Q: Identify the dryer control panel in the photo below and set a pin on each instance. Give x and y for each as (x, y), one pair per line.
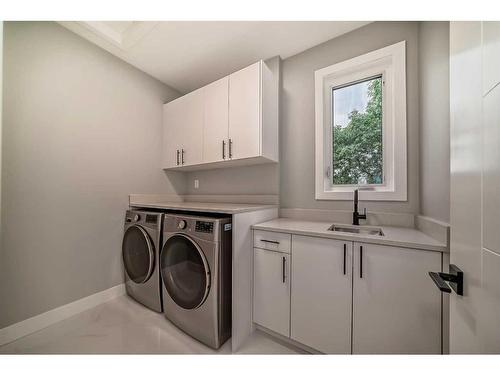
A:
(204, 226)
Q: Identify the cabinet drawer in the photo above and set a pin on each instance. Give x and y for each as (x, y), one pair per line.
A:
(272, 241)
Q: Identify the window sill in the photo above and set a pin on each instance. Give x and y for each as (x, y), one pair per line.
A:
(364, 195)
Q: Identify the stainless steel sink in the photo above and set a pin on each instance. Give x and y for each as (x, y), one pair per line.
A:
(358, 230)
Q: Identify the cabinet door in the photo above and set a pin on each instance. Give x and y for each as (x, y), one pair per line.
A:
(271, 292)
(396, 306)
(321, 296)
(215, 127)
(172, 131)
(245, 112)
(191, 132)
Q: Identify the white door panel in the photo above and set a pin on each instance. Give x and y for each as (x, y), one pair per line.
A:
(191, 132)
(245, 112)
(321, 296)
(396, 306)
(215, 128)
(271, 294)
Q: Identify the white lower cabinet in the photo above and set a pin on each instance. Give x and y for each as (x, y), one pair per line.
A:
(321, 294)
(347, 297)
(271, 292)
(396, 306)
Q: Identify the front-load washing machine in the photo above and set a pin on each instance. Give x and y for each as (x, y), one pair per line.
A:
(140, 251)
(195, 265)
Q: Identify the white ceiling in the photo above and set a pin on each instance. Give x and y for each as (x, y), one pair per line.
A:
(189, 54)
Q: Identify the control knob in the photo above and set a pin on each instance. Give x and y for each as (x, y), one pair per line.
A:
(182, 224)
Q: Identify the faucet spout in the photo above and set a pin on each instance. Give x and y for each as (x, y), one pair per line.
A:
(355, 214)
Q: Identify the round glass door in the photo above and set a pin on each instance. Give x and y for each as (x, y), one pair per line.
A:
(138, 254)
(185, 272)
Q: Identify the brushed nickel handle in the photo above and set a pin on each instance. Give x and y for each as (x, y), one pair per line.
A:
(230, 148)
(177, 157)
(182, 156)
(224, 149)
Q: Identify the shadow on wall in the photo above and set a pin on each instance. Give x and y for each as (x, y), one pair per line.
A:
(177, 182)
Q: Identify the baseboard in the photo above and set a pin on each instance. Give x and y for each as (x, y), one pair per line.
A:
(38, 322)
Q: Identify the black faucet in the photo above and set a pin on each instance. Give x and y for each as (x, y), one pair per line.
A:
(355, 214)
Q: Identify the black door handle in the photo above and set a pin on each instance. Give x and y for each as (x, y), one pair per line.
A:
(455, 278)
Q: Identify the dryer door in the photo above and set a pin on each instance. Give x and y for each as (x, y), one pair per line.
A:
(185, 272)
(138, 254)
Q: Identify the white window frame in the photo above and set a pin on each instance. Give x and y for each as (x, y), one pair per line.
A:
(390, 63)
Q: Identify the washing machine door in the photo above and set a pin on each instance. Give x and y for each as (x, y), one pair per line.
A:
(185, 272)
(138, 254)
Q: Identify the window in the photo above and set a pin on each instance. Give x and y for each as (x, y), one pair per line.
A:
(361, 127)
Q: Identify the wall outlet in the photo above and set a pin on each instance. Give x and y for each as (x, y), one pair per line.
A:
(196, 184)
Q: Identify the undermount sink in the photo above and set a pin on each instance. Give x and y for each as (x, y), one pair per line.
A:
(358, 230)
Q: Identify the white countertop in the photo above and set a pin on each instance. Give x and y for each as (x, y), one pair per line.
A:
(224, 208)
(395, 236)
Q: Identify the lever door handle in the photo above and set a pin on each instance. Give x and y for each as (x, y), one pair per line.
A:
(455, 278)
(443, 287)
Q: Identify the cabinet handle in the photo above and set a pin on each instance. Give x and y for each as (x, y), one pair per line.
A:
(269, 241)
(345, 250)
(224, 149)
(177, 157)
(283, 274)
(230, 148)
(361, 262)
(182, 156)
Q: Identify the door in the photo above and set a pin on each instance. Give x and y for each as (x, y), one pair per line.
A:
(474, 185)
(185, 272)
(172, 132)
(191, 128)
(396, 306)
(215, 127)
(138, 254)
(271, 293)
(321, 296)
(245, 112)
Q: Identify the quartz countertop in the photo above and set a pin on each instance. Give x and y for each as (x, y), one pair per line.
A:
(394, 236)
(225, 208)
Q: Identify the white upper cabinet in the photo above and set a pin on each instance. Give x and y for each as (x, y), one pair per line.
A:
(182, 131)
(216, 125)
(233, 121)
(245, 112)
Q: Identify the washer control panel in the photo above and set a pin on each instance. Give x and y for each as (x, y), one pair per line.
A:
(204, 226)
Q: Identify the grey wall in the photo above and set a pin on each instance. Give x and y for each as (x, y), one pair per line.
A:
(255, 179)
(297, 113)
(80, 132)
(434, 63)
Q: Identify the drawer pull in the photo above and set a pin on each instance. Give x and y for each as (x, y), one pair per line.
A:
(269, 241)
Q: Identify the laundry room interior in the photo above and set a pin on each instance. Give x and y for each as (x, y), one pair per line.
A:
(261, 187)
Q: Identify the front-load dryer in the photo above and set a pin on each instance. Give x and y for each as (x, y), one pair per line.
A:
(195, 265)
(140, 251)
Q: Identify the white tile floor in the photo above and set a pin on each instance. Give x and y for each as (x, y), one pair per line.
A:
(122, 326)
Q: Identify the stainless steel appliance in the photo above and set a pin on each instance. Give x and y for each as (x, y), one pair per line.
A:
(140, 251)
(195, 265)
